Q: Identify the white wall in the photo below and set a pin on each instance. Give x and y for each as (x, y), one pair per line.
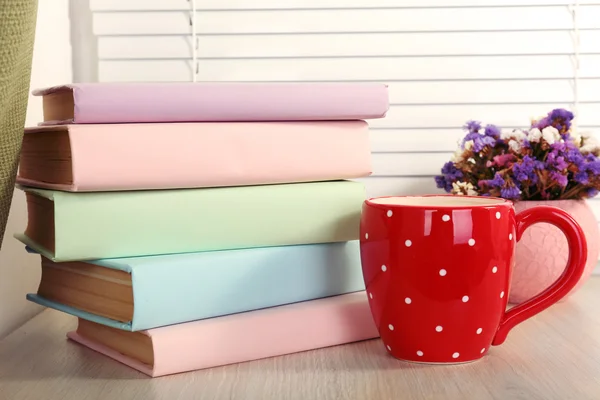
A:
(19, 271)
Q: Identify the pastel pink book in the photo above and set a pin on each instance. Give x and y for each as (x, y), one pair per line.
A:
(102, 103)
(234, 338)
(112, 157)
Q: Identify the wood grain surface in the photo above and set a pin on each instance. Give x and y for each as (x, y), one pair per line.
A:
(555, 355)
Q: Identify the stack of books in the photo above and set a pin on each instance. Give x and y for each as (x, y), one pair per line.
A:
(192, 225)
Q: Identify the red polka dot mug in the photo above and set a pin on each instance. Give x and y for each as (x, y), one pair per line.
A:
(437, 272)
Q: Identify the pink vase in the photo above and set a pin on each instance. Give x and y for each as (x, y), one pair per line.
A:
(541, 254)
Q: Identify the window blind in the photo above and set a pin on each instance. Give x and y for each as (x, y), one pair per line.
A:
(445, 61)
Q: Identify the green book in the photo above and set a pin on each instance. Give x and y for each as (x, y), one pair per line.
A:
(67, 226)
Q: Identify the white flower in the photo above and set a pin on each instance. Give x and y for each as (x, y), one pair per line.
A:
(468, 145)
(516, 134)
(589, 143)
(534, 135)
(463, 188)
(550, 134)
(514, 145)
(457, 156)
(576, 138)
(471, 160)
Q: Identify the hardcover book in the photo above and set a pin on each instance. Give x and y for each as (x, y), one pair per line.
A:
(190, 155)
(65, 226)
(234, 338)
(148, 292)
(104, 103)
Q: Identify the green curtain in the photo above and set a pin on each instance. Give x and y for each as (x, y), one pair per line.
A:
(17, 32)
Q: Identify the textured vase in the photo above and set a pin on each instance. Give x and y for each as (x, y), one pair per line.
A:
(541, 254)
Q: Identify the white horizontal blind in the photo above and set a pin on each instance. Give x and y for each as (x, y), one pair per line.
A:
(445, 61)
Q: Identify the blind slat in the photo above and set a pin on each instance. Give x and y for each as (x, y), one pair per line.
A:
(399, 140)
(346, 20)
(505, 115)
(114, 5)
(383, 69)
(369, 44)
(518, 91)
(409, 164)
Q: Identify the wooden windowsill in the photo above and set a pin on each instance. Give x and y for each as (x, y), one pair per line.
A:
(555, 355)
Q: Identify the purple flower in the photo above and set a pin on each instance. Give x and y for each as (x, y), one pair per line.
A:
(443, 183)
(525, 170)
(479, 141)
(492, 131)
(487, 141)
(585, 169)
(559, 178)
(554, 161)
(561, 119)
(510, 193)
(558, 118)
(470, 136)
(593, 167)
(541, 124)
(582, 177)
(497, 182)
(472, 126)
(574, 157)
(449, 174)
(450, 170)
(591, 192)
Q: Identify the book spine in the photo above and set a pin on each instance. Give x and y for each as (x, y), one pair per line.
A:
(213, 284)
(254, 335)
(138, 223)
(98, 104)
(194, 155)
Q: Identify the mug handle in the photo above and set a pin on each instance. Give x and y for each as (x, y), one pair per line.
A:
(569, 278)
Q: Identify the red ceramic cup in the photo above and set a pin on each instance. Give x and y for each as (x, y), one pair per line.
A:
(437, 272)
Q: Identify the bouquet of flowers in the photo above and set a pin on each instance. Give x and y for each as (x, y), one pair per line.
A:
(547, 161)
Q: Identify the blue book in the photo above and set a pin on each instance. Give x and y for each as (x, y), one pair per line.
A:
(140, 293)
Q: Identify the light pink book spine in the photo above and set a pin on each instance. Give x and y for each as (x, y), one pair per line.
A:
(101, 103)
(193, 155)
(253, 335)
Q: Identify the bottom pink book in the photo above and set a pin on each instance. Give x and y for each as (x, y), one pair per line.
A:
(234, 338)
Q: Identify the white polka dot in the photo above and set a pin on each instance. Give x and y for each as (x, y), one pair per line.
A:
(497, 214)
(371, 295)
(482, 350)
(455, 355)
(419, 353)
(389, 348)
(471, 242)
(391, 327)
(439, 328)
(494, 270)
(389, 213)
(383, 268)
(501, 294)
(510, 236)
(367, 235)
(479, 331)
(408, 243)
(442, 272)
(445, 218)
(408, 300)
(465, 299)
